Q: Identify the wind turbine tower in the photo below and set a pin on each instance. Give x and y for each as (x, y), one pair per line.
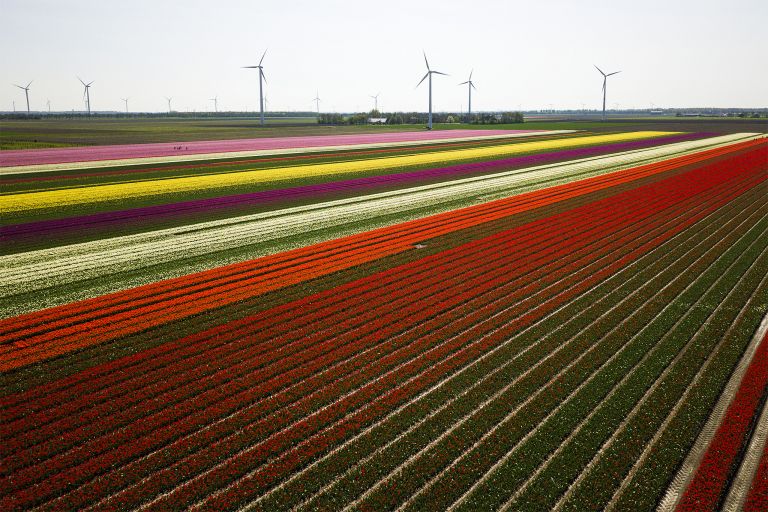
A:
(26, 92)
(317, 101)
(470, 86)
(215, 101)
(262, 79)
(429, 74)
(605, 83)
(87, 94)
(126, 104)
(376, 101)
(169, 103)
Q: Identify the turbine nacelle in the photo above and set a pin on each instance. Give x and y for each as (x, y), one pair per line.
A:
(25, 88)
(430, 71)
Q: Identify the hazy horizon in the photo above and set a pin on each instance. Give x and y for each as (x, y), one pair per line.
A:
(524, 56)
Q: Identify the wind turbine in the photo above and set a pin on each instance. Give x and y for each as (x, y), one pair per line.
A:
(261, 86)
(470, 86)
(49, 105)
(87, 94)
(376, 101)
(605, 82)
(429, 74)
(215, 101)
(169, 103)
(317, 101)
(26, 92)
(126, 104)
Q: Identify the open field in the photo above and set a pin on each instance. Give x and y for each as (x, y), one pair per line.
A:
(569, 318)
(28, 134)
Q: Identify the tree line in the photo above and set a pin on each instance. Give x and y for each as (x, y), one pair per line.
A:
(420, 118)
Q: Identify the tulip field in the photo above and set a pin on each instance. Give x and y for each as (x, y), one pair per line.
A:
(449, 320)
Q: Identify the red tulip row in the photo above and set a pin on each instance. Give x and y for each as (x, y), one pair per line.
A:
(757, 497)
(720, 461)
(56, 331)
(592, 272)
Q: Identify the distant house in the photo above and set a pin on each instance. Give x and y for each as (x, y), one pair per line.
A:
(377, 120)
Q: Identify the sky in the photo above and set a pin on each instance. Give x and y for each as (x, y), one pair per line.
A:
(525, 54)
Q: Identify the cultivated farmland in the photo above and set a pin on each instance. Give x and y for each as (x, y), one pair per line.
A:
(449, 320)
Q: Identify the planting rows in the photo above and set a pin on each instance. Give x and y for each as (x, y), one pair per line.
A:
(52, 332)
(249, 146)
(167, 253)
(47, 199)
(109, 222)
(440, 382)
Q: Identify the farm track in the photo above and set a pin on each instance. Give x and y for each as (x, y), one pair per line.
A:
(708, 487)
(492, 326)
(757, 497)
(231, 284)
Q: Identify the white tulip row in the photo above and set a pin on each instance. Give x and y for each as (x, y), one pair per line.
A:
(276, 231)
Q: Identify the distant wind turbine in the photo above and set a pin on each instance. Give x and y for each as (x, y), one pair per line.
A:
(470, 86)
(317, 101)
(126, 104)
(429, 74)
(376, 101)
(215, 101)
(26, 92)
(49, 105)
(261, 86)
(87, 94)
(169, 103)
(605, 83)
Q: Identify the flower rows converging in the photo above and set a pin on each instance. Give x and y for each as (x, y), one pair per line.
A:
(26, 201)
(510, 325)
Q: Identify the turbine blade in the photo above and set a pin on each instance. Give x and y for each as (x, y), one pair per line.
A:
(20, 87)
(439, 73)
(262, 57)
(462, 83)
(425, 59)
(470, 75)
(615, 72)
(30, 83)
(425, 77)
(89, 83)
(600, 70)
(81, 80)
(473, 85)
(261, 71)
